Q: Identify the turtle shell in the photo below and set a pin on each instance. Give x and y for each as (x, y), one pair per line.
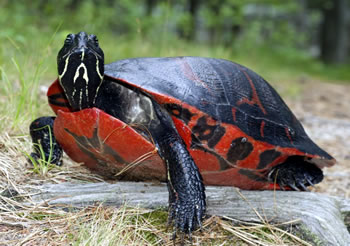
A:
(233, 122)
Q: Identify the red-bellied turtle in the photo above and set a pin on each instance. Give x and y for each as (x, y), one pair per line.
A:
(209, 120)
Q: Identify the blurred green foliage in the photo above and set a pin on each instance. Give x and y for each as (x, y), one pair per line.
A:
(264, 34)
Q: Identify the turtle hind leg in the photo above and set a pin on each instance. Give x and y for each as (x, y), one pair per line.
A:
(45, 145)
(296, 173)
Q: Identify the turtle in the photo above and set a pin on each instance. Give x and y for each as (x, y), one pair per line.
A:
(189, 121)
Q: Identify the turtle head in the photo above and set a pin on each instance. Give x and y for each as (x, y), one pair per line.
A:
(80, 69)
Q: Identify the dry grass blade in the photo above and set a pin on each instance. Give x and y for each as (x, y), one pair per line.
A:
(141, 158)
(107, 226)
(137, 162)
(263, 234)
(272, 229)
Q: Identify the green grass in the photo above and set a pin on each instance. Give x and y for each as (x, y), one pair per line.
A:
(22, 74)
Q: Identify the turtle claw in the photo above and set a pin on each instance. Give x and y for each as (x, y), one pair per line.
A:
(182, 238)
(173, 237)
(303, 187)
(309, 182)
(199, 222)
(293, 187)
(281, 185)
(190, 237)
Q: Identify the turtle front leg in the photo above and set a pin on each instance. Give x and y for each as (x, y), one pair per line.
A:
(186, 190)
(45, 145)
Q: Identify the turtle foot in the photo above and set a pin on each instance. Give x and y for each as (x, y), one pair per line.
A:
(186, 214)
(296, 173)
(37, 158)
(45, 146)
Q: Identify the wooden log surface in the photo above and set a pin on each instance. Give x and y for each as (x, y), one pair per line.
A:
(325, 217)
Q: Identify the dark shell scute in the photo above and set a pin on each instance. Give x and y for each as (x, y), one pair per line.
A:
(239, 150)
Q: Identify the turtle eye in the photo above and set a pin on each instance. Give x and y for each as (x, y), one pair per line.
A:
(94, 39)
(69, 39)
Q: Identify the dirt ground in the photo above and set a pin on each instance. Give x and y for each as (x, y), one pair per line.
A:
(324, 110)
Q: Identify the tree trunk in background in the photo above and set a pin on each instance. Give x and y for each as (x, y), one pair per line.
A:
(335, 32)
(214, 30)
(188, 30)
(193, 7)
(150, 6)
(74, 4)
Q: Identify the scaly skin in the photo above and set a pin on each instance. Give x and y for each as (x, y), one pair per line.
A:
(41, 131)
(186, 189)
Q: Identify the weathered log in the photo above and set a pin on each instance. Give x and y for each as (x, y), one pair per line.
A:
(325, 217)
